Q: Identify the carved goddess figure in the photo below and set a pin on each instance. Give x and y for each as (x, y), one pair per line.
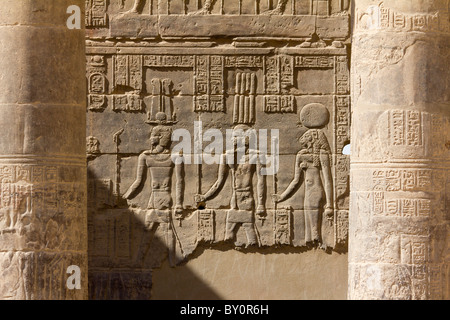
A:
(242, 198)
(158, 160)
(312, 166)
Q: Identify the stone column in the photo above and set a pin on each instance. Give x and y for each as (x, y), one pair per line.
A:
(43, 224)
(400, 182)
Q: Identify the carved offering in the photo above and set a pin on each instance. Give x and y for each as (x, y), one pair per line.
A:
(214, 124)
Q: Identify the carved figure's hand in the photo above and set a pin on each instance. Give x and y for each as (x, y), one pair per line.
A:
(199, 198)
(276, 198)
(261, 212)
(178, 213)
(329, 214)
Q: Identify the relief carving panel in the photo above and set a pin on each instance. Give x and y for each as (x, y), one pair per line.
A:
(229, 134)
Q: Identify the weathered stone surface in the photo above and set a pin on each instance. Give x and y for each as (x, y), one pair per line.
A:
(158, 70)
(234, 275)
(43, 221)
(400, 134)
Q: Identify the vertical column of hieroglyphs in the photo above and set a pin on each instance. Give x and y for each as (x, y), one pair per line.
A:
(400, 151)
(43, 225)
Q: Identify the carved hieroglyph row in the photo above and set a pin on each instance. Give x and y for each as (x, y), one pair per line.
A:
(381, 16)
(209, 77)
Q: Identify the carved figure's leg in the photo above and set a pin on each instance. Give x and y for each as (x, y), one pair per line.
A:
(137, 6)
(170, 243)
(312, 222)
(249, 228)
(229, 232)
(146, 240)
(150, 227)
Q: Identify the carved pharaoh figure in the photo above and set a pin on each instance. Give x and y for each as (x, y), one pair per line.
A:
(313, 164)
(242, 201)
(159, 161)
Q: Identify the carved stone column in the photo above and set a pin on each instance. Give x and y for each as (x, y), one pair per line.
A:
(43, 224)
(400, 182)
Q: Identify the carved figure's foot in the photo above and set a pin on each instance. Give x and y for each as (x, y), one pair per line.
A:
(228, 239)
(274, 12)
(313, 243)
(201, 12)
(305, 44)
(133, 11)
(252, 244)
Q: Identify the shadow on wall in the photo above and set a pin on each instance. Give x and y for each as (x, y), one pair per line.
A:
(269, 273)
(123, 250)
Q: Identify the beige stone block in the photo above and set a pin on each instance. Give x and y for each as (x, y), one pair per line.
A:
(267, 276)
(244, 26)
(44, 130)
(36, 80)
(37, 12)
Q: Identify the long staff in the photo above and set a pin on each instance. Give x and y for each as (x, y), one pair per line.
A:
(275, 185)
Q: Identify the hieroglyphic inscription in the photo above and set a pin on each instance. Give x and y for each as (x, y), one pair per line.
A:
(415, 253)
(31, 198)
(97, 88)
(314, 62)
(243, 61)
(384, 17)
(209, 84)
(205, 220)
(282, 226)
(342, 75)
(341, 226)
(279, 78)
(389, 185)
(167, 61)
(128, 72)
(96, 16)
(342, 105)
(405, 128)
(402, 179)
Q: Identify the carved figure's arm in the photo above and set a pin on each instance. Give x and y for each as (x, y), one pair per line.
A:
(141, 170)
(261, 188)
(222, 176)
(327, 179)
(179, 185)
(295, 181)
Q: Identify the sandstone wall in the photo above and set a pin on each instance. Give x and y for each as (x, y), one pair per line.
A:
(157, 67)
